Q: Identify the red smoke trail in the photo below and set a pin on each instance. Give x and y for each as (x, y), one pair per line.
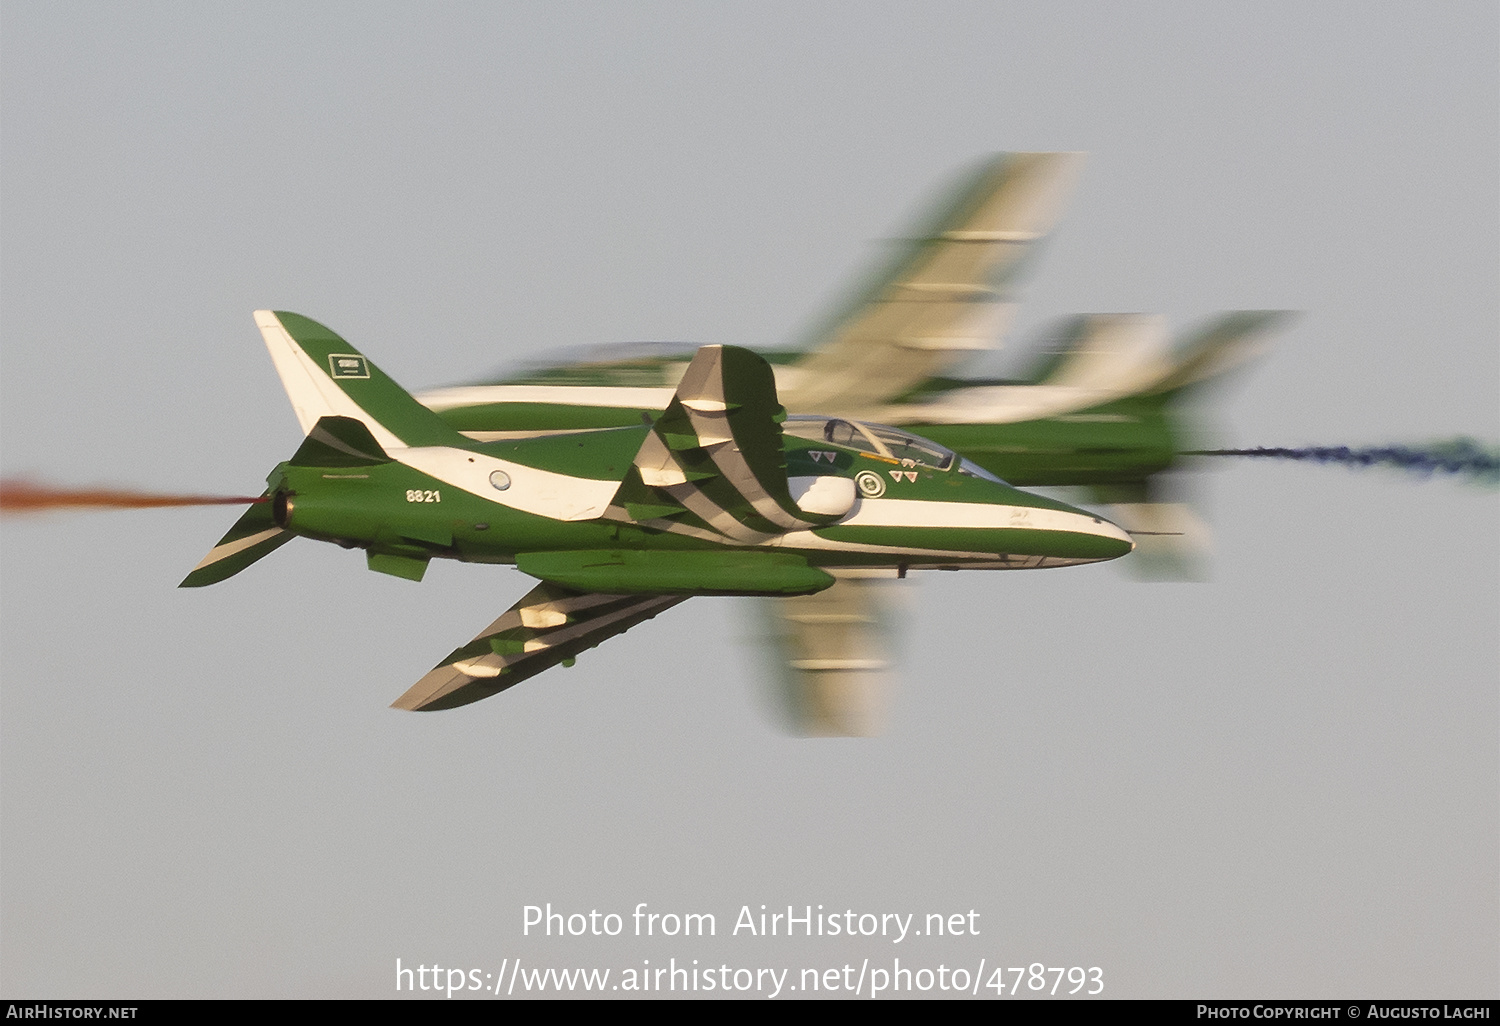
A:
(18, 495)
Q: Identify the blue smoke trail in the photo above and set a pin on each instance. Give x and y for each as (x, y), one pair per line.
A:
(1465, 457)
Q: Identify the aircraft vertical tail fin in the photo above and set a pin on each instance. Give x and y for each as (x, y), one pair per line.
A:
(350, 413)
(324, 376)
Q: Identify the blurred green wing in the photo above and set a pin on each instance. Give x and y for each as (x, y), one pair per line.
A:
(836, 656)
(949, 292)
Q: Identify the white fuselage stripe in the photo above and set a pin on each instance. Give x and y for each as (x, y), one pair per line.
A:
(560, 395)
(980, 515)
(542, 492)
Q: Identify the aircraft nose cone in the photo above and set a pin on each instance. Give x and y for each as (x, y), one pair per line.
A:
(1115, 533)
(1081, 534)
(1103, 539)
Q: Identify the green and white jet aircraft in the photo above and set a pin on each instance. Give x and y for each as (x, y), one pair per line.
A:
(719, 493)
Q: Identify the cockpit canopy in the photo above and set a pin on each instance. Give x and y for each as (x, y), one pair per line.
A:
(882, 440)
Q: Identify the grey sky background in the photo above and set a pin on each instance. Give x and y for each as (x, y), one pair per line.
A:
(1285, 782)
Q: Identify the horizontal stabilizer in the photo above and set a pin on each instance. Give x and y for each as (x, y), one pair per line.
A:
(253, 535)
(1221, 345)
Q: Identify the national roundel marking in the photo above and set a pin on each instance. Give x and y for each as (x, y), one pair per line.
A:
(871, 485)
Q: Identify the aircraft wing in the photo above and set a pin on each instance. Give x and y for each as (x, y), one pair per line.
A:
(550, 625)
(949, 292)
(835, 656)
(713, 464)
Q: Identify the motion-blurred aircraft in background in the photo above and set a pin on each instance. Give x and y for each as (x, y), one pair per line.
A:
(1106, 407)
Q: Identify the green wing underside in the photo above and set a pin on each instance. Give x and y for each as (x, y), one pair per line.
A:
(549, 625)
(253, 535)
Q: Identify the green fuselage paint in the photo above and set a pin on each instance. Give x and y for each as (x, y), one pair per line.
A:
(928, 516)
